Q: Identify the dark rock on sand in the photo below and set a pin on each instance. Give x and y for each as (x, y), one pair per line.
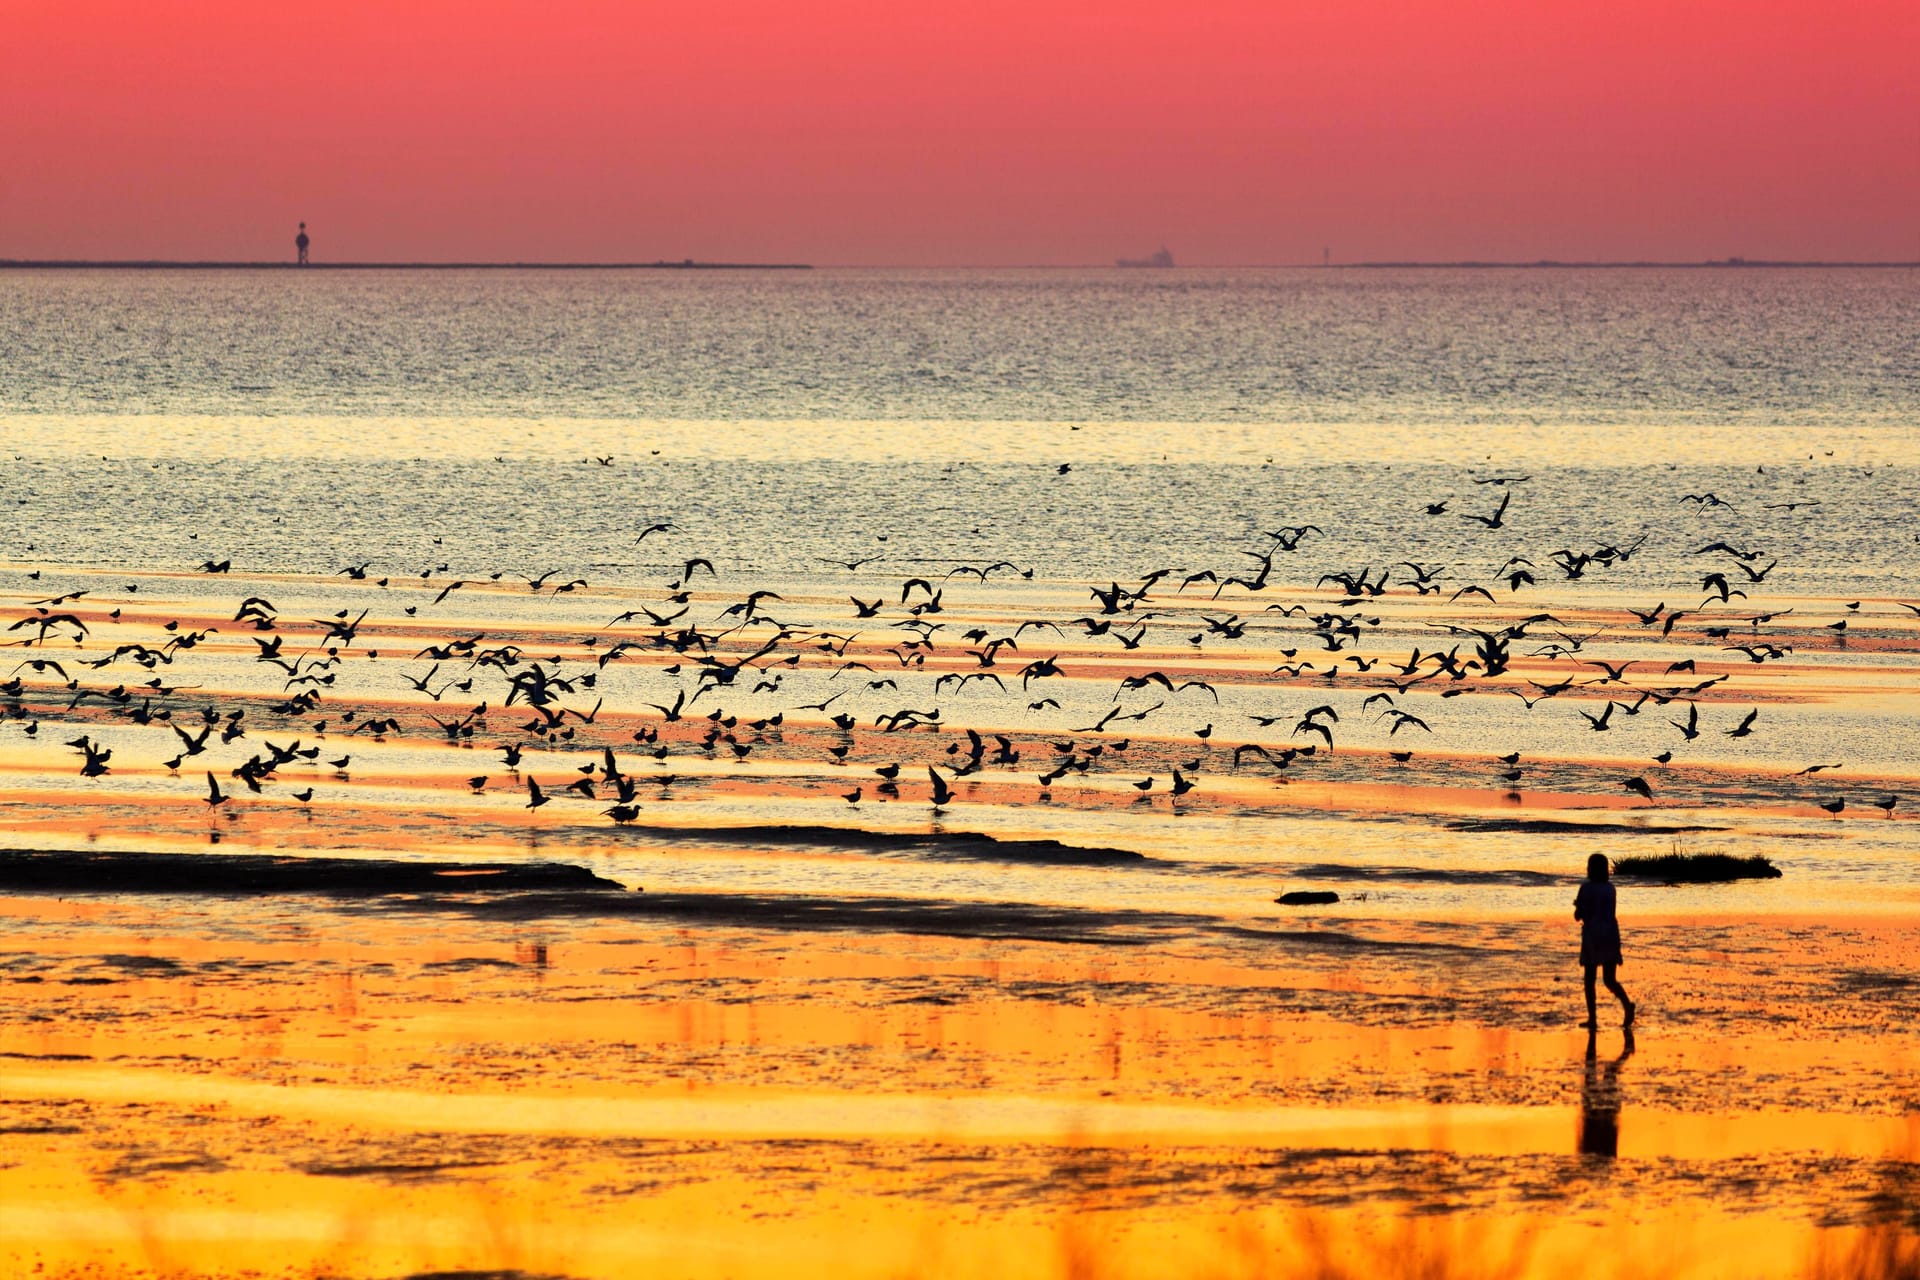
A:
(1696, 868)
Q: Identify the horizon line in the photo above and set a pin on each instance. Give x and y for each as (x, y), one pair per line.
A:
(689, 264)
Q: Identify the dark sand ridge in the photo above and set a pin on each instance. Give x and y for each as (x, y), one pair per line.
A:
(45, 871)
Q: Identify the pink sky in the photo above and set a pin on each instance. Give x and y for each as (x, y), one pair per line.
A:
(988, 132)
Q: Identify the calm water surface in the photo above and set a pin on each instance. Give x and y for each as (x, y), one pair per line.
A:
(1762, 347)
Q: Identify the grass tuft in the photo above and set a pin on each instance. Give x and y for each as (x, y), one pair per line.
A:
(1696, 868)
(1884, 1252)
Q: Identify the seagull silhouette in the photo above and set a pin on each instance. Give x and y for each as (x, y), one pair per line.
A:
(1498, 519)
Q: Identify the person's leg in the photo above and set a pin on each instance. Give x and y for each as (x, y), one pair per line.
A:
(1620, 993)
(1593, 1017)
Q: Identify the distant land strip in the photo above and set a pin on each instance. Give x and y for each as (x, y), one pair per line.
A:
(1550, 264)
(162, 264)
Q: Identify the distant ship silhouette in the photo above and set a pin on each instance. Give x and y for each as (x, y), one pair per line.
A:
(1160, 259)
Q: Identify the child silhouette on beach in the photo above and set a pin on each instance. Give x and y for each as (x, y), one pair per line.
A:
(1599, 936)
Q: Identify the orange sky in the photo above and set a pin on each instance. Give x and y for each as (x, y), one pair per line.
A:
(994, 131)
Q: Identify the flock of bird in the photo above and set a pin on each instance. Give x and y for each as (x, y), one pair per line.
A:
(718, 646)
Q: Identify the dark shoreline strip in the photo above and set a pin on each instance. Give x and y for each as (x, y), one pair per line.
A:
(66, 872)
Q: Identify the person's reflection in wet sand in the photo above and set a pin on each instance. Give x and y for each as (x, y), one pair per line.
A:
(1600, 1099)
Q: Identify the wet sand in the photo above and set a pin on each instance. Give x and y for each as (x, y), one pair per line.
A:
(323, 1086)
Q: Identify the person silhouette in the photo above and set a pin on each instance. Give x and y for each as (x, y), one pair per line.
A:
(1600, 1099)
(1593, 907)
(301, 242)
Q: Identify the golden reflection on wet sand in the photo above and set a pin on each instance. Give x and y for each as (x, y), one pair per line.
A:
(318, 1091)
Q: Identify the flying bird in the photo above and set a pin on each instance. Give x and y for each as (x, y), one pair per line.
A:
(1498, 519)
